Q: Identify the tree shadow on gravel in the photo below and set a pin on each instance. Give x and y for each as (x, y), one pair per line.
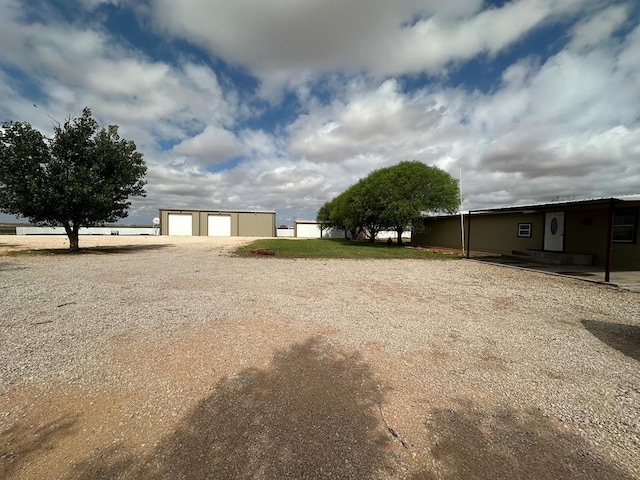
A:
(504, 443)
(97, 250)
(312, 414)
(24, 443)
(624, 338)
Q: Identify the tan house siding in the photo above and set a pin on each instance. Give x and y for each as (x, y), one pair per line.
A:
(489, 233)
(586, 231)
(499, 233)
(627, 255)
(440, 232)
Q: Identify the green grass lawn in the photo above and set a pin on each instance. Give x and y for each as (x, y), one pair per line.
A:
(316, 248)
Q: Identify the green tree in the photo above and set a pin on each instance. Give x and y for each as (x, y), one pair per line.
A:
(391, 198)
(83, 176)
(324, 216)
(366, 205)
(409, 188)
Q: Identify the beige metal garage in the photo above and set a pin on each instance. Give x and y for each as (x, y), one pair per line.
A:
(217, 223)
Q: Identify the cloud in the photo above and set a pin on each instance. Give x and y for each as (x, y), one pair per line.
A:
(72, 66)
(599, 27)
(289, 43)
(214, 143)
(385, 121)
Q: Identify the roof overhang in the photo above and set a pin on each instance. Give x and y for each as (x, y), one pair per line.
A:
(544, 207)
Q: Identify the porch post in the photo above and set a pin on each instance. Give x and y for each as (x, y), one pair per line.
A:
(612, 216)
(469, 234)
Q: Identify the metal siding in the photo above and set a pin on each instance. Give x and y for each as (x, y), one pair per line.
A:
(234, 224)
(203, 222)
(164, 222)
(256, 224)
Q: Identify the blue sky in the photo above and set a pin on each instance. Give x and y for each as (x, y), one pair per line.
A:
(281, 105)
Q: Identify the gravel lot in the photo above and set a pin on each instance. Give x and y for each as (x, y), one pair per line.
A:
(160, 357)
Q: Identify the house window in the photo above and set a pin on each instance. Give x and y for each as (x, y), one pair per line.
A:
(625, 225)
(525, 229)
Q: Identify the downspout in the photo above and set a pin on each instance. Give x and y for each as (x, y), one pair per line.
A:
(612, 216)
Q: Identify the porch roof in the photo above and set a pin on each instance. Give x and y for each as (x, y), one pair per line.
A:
(535, 207)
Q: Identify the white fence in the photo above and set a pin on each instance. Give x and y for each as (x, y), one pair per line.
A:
(88, 231)
(309, 229)
(284, 232)
(392, 234)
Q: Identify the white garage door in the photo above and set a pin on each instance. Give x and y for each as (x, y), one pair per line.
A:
(180, 224)
(219, 226)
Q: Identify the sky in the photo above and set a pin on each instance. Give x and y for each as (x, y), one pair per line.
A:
(281, 105)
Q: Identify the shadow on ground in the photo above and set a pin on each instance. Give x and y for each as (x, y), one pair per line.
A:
(312, 414)
(24, 443)
(624, 338)
(472, 443)
(98, 250)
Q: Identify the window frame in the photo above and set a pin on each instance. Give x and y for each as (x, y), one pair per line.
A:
(525, 229)
(633, 211)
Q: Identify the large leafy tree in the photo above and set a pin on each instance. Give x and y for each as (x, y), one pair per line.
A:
(82, 176)
(410, 188)
(392, 198)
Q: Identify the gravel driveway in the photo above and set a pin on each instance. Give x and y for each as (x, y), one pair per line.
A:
(170, 358)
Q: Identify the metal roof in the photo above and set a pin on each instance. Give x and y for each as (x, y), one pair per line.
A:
(212, 210)
(563, 203)
(542, 205)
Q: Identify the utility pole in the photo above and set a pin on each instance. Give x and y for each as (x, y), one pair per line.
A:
(461, 210)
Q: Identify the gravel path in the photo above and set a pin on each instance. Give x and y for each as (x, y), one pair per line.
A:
(160, 357)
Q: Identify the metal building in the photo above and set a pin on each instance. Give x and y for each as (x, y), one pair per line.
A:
(217, 223)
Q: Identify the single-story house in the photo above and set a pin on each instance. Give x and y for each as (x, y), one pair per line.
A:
(217, 223)
(601, 232)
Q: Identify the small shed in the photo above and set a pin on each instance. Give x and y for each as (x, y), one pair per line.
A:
(217, 223)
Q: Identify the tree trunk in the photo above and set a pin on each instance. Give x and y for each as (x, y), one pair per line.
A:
(73, 241)
(400, 236)
(72, 234)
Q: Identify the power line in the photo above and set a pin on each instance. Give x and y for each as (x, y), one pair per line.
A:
(45, 113)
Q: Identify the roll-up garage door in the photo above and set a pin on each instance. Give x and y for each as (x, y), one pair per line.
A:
(180, 224)
(219, 225)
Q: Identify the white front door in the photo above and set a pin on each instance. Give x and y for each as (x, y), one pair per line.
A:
(219, 226)
(554, 231)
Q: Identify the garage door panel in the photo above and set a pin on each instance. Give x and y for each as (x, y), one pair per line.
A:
(180, 224)
(219, 225)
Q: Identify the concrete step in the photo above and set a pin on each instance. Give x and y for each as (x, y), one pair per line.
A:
(552, 258)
